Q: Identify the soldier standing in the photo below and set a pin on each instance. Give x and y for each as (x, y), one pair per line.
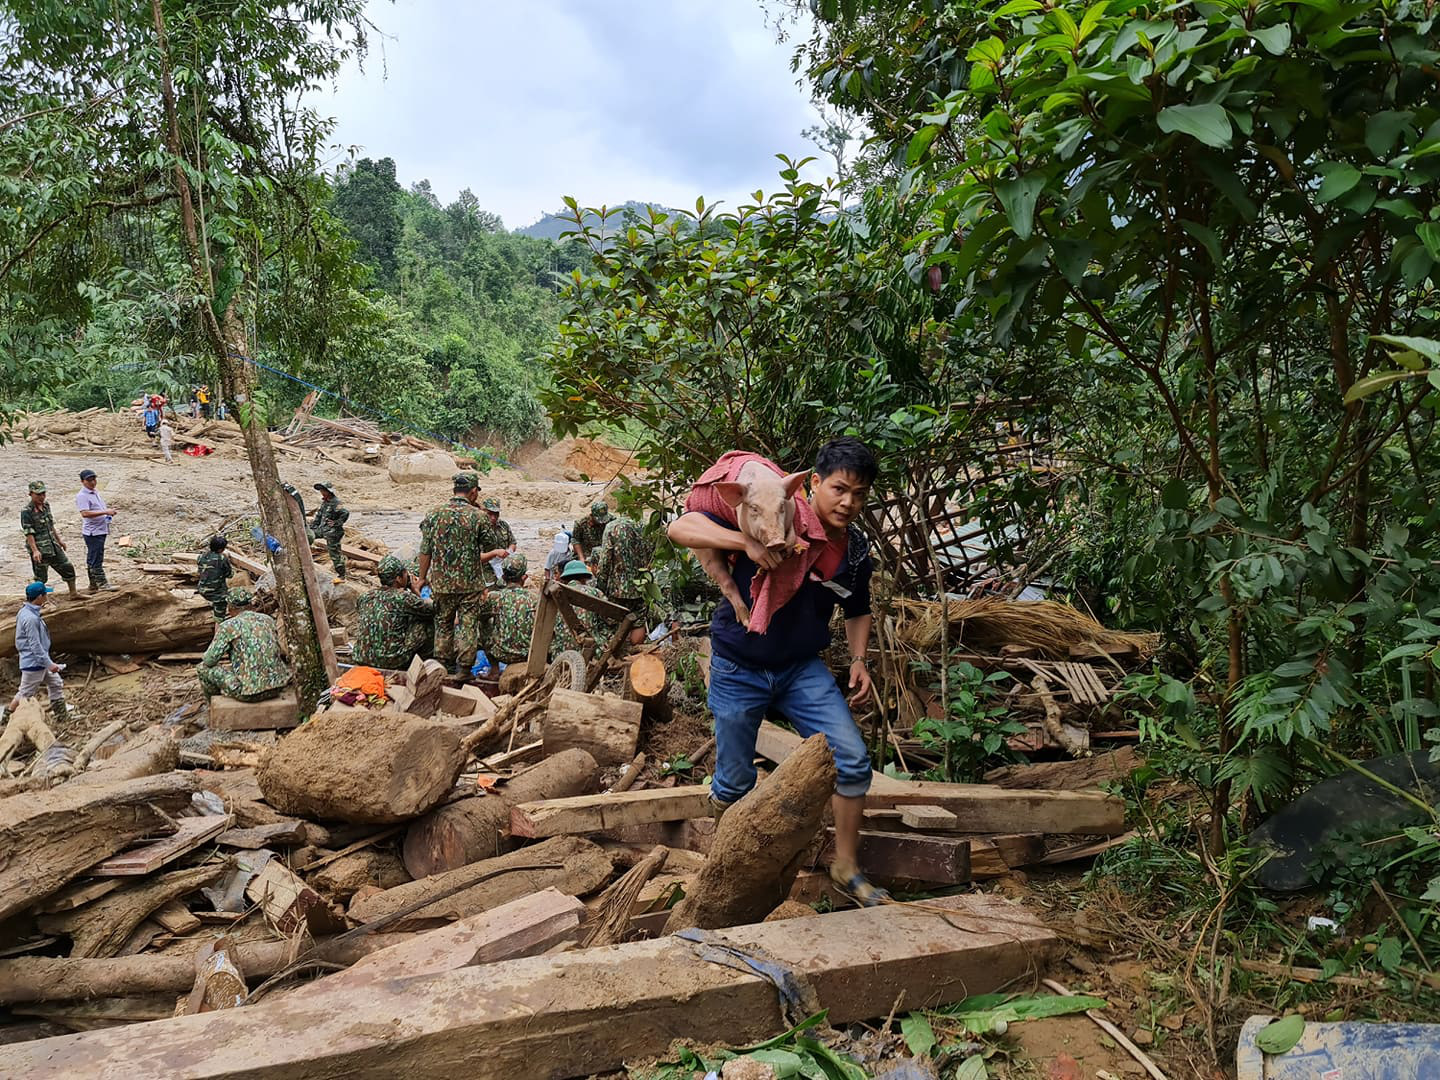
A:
(251, 643)
(46, 548)
(215, 571)
(452, 563)
(585, 536)
(329, 525)
(507, 615)
(498, 535)
(393, 622)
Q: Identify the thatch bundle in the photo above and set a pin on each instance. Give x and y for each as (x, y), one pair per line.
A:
(985, 624)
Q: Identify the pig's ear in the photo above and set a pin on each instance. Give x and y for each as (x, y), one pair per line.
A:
(730, 491)
(793, 483)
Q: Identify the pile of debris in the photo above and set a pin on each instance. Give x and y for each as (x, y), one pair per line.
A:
(447, 837)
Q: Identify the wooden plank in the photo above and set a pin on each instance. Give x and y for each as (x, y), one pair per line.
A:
(927, 818)
(193, 832)
(1076, 775)
(162, 568)
(288, 903)
(541, 635)
(281, 711)
(578, 1013)
(77, 895)
(244, 562)
(180, 658)
(524, 927)
(312, 593)
(936, 860)
(608, 608)
(594, 813)
(520, 755)
(175, 918)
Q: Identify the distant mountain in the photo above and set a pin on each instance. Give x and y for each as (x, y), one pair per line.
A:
(552, 226)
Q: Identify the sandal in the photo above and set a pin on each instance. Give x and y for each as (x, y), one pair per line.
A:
(858, 888)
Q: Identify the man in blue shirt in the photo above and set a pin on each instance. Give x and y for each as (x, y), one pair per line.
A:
(781, 668)
(32, 643)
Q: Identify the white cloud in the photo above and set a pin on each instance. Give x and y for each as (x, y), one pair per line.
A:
(525, 103)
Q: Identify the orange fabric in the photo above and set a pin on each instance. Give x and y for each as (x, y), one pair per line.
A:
(368, 680)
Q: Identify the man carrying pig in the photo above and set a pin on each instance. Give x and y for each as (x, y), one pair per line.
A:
(815, 546)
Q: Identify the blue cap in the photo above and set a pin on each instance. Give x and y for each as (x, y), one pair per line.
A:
(36, 588)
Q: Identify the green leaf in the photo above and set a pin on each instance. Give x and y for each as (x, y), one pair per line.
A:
(1373, 384)
(785, 1063)
(1018, 197)
(920, 142)
(1340, 177)
(918, 1034)
(1208, 123)
(1018, 7)
(1426, 347)
(973, 1068)
(1175, 495)
(1275, 39)
(1278, 1036)
(1429, 235)
(1382, 129)
(1206, 236)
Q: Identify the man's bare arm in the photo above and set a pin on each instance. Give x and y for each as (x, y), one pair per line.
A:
(696, 531)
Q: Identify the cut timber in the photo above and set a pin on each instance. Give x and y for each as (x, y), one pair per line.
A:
(460, 700)
(996, 856)
(647, 682)
(73, 896)
(594, 813)
(523, 927)
(425, 681)
(927, 817)
(983, 809)
(34, 978)
(572, 865)
(935, 860)
(49, 837)
(191, 833)
(132, 619)
(608, 728)
(288, 903)
(362, 767)
(468, 830)
(102, 928)
(1075, 775)
(175, 918)
(281, 711)
(759, 844)
(575, 1014)
(290, 833)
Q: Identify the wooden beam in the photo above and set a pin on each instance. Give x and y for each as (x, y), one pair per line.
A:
(927, 818)
(317, 602)
(595, 813)
(578, 1013)
(608, 608)
(542, 635)
(936, 860)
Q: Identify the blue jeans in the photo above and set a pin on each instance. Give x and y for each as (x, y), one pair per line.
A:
(807, 694)
(94, 551)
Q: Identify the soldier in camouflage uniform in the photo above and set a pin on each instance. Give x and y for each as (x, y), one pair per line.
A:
(251, 643)
(329, 525)
(507, 615)
(452, 563)
(498, 536)
(394, 623)
(215, 572)
(624, 553)
(585, 536)
(577, 575)
(46, 548)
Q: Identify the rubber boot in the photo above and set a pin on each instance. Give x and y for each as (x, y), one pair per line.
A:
(94, 581)
(718, 808)
(71, 586)
(59, 710)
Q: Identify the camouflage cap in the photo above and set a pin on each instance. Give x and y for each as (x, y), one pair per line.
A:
(37, 487)
(466, 481)
(241, 596)
(574, 568)
(492, 503)
(515, 566)
(600, 510)
(390, 569)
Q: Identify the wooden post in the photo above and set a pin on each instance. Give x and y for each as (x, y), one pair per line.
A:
(541, 636)
(317, 606)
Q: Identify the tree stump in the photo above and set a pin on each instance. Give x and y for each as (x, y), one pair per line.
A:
(647, 682)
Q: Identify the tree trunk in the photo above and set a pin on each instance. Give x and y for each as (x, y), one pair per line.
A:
(228, 343)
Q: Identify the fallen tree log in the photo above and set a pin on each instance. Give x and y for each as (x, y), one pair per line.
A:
(575, 1014)
(759, 844)
(48, 838)
(101, 928)
(1076, 775)
(35, 978)
(132, 619)
(572, 865)
(469, 830)
(154, 751)
(362, 767)
(608, 728)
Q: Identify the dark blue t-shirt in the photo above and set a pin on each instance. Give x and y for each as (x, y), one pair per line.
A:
(800, 629)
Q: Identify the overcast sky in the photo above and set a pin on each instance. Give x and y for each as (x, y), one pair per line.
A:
(524, 103)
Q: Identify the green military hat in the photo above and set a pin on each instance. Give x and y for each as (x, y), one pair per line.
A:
(37, 487)
(390, 569)
(325, 485)
(600, 510)
(574, 568)
(492, 503)
(241, 597)
(466, 481)
(515, 566)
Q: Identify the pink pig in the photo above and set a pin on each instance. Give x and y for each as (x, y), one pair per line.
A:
(764, 505)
